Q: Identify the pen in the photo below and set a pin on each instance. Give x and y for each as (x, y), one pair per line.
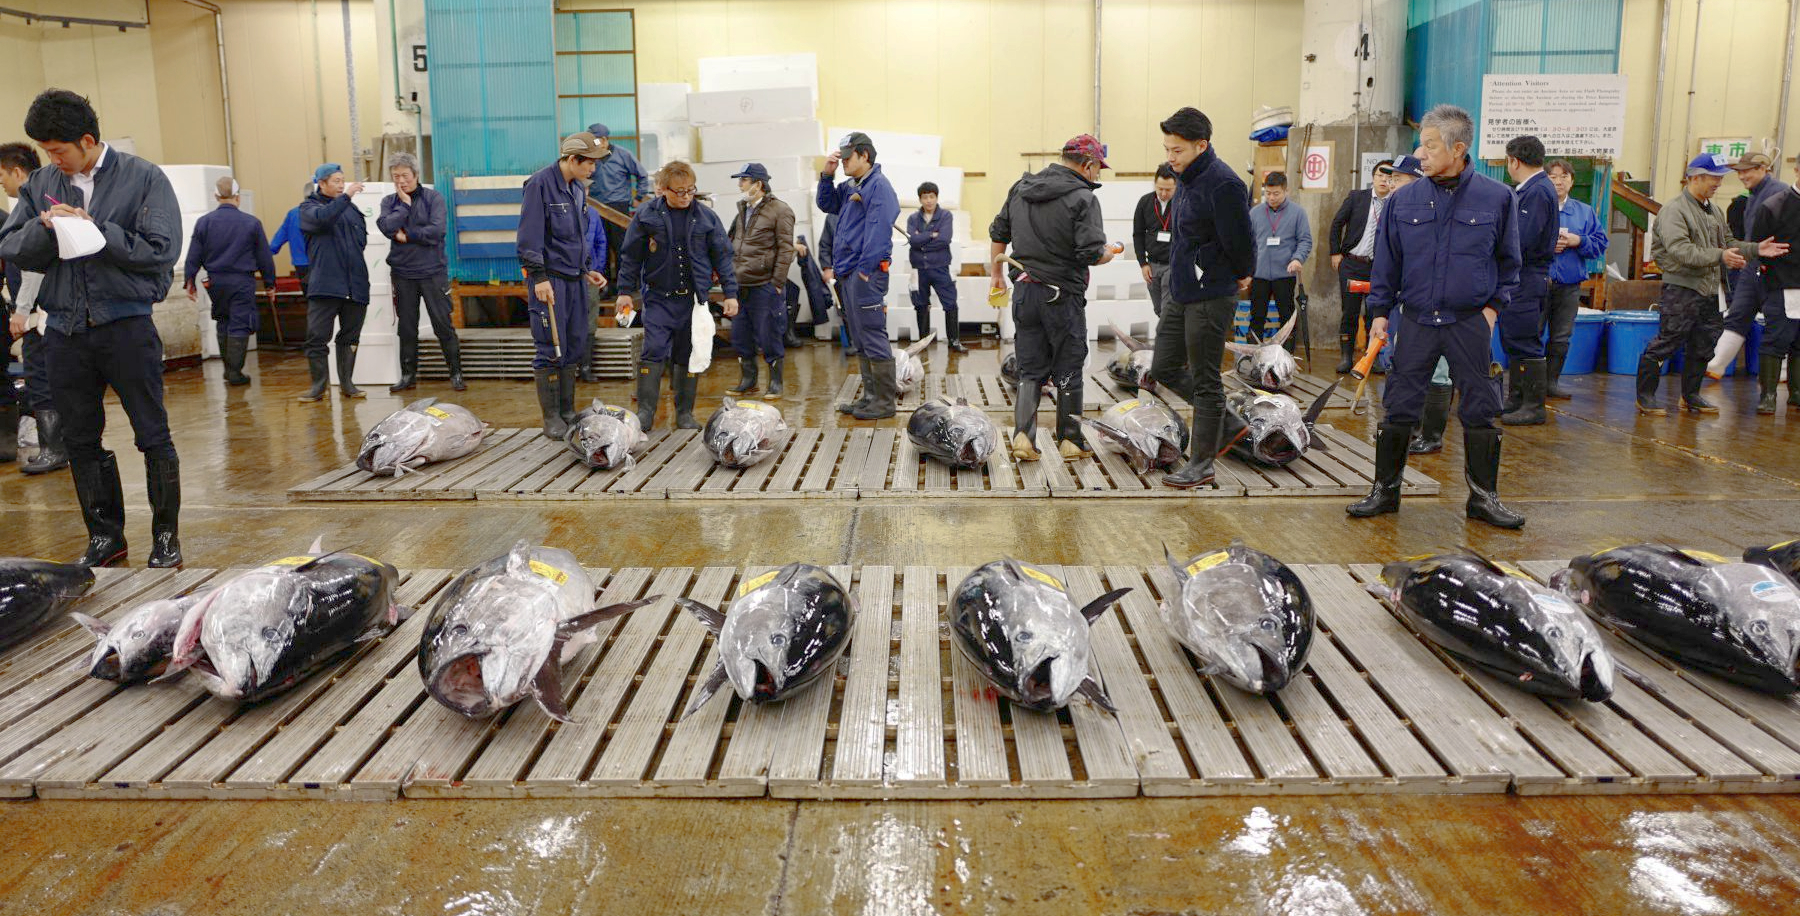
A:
(53, 201)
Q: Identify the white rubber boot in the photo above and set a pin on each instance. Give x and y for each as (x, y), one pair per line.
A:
(1730, 342)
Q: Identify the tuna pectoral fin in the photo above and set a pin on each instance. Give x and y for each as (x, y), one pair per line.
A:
(713, 682)
(1637, 677)
(600, 615)
(1099, 605)
(709, 618)
(1096, 694)
(1378, 590)
(546, 689)
(1318, 406)
(94, 625)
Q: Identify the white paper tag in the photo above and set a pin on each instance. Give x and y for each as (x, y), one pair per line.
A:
(1790, 302)
(1273, 241)
(1163, 237)
(912, 282)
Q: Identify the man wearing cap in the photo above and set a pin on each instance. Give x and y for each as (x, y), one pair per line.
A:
(1053, 224)
(1150, 233)
(231, 246)
(620, 183)
(762, 244)
(672, 251)
(1580, 238)
(863, 248)
(337, 289)
(1692, 246)
(416, 219)
(1747, 293)
(1448, 248)
(553, 249)
(1352, 243)
(929, 232)
(1283, 234)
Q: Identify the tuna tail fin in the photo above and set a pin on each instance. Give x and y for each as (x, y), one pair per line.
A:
(94, 625)
(709, 617)
(1099, 605)
(922, 343)
(600, 615)
(707, 688)
(1096, 694)
(1130, 343)
(547, 690)
(419, 405)
(1286, 331)
(318, 546)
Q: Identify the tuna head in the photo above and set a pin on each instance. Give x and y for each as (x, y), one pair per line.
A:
(740, 433)
(1150, 434)
(1267, 365)
(785, 629)
(248, 627)
(394, 442)
(487, 641)
(1249, 623)
(1566, 646)
(1762, 610)
(1028, 636)
(137, 647)
(604, 440)
(1278, 433)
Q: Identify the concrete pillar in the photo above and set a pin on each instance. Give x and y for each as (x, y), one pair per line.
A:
(1352, 94)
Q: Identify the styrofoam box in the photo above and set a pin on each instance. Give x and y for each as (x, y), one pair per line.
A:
(747, 106)
(896, 148)
(662, 102)
(674, 140)
(1119, 199)
(761, 141)
(195, 185)
(714, 176)
(760, 71)
(907, 178)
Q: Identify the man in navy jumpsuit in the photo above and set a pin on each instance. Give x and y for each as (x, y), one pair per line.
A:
(929, 232)
(231, 245)
(553, 249)
(1522, 321)
(671, 253)
(862, 250)
(1448, 248)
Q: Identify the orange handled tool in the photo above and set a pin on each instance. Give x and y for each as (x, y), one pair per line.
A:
(1360, 372)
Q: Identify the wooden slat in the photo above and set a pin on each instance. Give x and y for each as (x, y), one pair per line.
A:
(799, 754)
(686, 763)
(862, 721)
(919, 741)
(1149, 748)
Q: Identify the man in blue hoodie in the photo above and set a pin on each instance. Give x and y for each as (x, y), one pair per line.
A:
(554, 250)
(290, 237)
(862, 251)
(100, 333)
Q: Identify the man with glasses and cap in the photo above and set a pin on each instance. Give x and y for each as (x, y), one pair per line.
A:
(620, 183)
(762, 242)
(1748, 293)
(553, 249)
(862, 251)
(231, 246)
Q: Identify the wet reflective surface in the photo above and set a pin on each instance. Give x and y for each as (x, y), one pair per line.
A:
(1595, 477)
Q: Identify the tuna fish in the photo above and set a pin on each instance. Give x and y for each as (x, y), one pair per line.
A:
(1130, 365)
(502, 631)
(1019, 627)
(1150, 433)
(1009, 370)
(909, 369)
(783, 631)
(741, 433)
(1783, 558)
(418, 434)
(953, 432)
(1501, 622)
(1243, 614)
(263, 631)
(1267, 365)
(1278, 432)
(33, 591)
(606, 438)
(137, 648)
(1737, 621)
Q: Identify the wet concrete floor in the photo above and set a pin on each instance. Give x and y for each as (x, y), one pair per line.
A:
(1597, 475)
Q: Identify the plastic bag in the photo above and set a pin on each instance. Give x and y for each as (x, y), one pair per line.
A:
(704, 329)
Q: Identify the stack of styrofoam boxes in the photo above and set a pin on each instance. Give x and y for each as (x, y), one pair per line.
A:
(186, 327)
(1117, 293)
(378, 353)
(664, 132)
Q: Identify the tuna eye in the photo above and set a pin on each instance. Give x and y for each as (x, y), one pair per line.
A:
(460, 630)
(1759, 628)
(140, 635)
(1554, 633)
(778, 639)
(1024, 636)
(271, 634)
(1267, 624)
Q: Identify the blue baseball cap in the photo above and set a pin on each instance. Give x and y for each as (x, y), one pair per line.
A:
(753, 171)
(1408, 165)
(599, 130)
(1709, 164)
(326, 171)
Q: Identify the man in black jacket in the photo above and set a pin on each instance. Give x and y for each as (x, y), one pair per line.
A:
(100, 331)
(1352, 242)
(1151, 231)
(1053, 223)
(1778, 217)
(337, 289)
(416, 219)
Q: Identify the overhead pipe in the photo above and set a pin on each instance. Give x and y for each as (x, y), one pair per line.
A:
(350, 86)
(66, 21)
(1787, 77)
(1096, 68)
(1656, 121)
(224, 77)
(1687, 125)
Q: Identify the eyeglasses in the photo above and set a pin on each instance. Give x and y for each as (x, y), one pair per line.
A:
(683, 192)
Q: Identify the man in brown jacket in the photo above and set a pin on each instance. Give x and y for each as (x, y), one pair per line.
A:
(762, 242)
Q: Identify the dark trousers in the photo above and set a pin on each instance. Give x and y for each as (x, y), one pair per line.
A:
(1748, 296)
(1351, 268)
(1781, 334)
(435, 292)
(1190, 343)
(761, 322)
(8, 395)
(1523, 318)
(1159, 278)
(1467, 345)
(124, 355)
(572, 332)
(1050, 338)
(865, 310)
(668, 329)
(234, 303)
(1691, 320)
(37, 372)
(321, 314)
(1261, 291)
(1559, 317)
(615, 242)
(939, 279)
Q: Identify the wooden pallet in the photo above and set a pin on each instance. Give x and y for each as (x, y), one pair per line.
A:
(1305, 389)
(493, 353)
(1376, 710)
(1346, 468)
(986, 392)
(454, 479)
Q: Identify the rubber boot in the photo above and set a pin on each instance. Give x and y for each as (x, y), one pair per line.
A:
(51, 455)
(1515, 389)
(775, 384)
(236, 349)
(1481, 460)
(1203, 448)
(1531, 376)
(1346, 353)
(1649, 378)
(549, 403)
(1391, 440)
(1793, 382)
(453, 360)
(162, 478)
(224, 359)
(346, 361)
(1553, 367)
(746, 376)
(320, 369)
(9, 429)
(887, 392)
(1768, 380)
(953, 332)
(924, 325)
(1724, 353)
(102, 501)
(565, 391)
(789, 336)
(649, 391)
(1430, 438)
(409, 367)
(686, 385)
(1026, 398)
(1070, 442)
(868, 390)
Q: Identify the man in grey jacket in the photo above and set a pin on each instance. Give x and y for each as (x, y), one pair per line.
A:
(100, 332)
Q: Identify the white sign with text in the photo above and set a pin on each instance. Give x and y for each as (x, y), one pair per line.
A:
(1579, 114)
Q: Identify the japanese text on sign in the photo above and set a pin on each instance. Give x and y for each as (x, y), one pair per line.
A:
(1574, 114)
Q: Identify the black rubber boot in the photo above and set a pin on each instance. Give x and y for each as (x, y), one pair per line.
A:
(886, 395)
(565, 394)
(776, 388)
(1515, 388)
(409, 367)
(1430, 438)
(868, 390)
(1070, 442)
(1649, 378)
(9, 429)
(649, 391)
(1768, 380)
(953, 332)
(1203, 448)
(319, 367)
(1481, 458)
(1346, 354)
(453, 360)
(102, 501)
(51, 455)
(236, 350)
(687, 384)
(1532, 376)
(789, 338)
(924, 321)
(746, 376)
(162, 478)
(549, 395)
(346, 365)
(1553, 367)
(1391, 440)
(1232, 430)
(1793, 369)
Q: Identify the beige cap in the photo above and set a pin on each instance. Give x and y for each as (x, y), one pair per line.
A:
(583, 144)
(1753, 161)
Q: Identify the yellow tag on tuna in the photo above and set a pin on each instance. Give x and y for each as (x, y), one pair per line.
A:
(1123, 406)
(751, 585)
(1512, 570)
(438, 412)
(1042, 576)
(1208, 561)
(549, 572)
(292, 561)
(1705, 557)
